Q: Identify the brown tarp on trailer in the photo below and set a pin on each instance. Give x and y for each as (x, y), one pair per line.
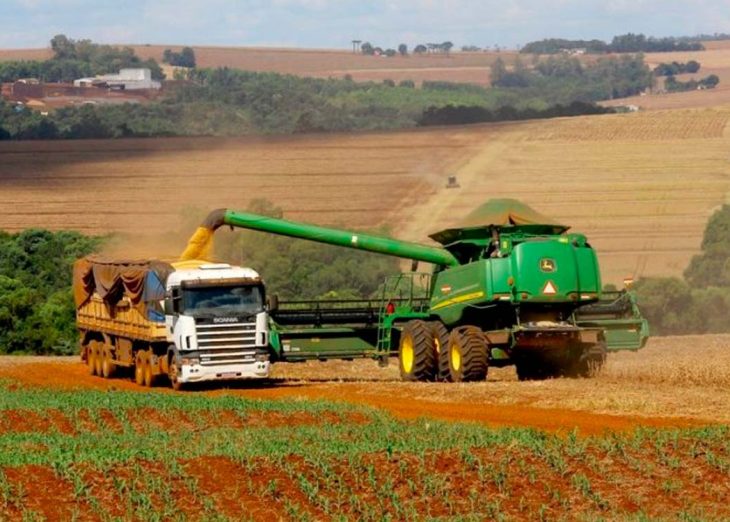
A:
(505, 212)
(113, 279)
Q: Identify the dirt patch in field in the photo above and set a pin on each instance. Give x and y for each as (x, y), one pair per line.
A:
(259, 488)
(36, 491)
(23, 421)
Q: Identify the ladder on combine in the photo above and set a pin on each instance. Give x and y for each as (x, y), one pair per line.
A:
(404, 297)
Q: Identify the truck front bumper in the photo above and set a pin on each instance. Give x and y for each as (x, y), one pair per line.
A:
(200, 373)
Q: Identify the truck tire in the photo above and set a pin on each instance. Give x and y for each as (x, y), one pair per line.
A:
(468, 355)
(98, 348)
(149, 377)
(107, 363)
(139, 367)
(416, 352)
(172, 375)
(441, 344)
(90, 359)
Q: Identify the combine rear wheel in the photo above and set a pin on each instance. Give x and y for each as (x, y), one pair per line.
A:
(416, 353)
(441, 346)
(468, 359)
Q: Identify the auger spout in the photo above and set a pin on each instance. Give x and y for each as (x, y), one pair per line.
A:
(200, 244)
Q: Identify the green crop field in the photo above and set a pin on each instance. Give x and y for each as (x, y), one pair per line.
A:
(117, 455)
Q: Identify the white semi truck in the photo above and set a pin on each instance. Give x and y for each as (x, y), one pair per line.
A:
(190, 321)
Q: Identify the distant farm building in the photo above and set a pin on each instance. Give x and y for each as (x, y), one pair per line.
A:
(126, 80)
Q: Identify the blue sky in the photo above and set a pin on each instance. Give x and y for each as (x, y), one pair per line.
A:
(333, 24)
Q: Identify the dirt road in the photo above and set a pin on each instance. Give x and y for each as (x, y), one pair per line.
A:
(657, 387)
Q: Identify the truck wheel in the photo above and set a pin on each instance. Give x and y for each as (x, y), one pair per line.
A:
(441, 344)
(468, 359)
(149, 378)
(416, 352)
(91, 358)
(139, 367)
(173, 374)
(98, 357)
(107, 363)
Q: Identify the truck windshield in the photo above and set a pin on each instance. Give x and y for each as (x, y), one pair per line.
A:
(222, 300)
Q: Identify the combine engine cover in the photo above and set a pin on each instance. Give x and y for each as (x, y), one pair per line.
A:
(563, 270)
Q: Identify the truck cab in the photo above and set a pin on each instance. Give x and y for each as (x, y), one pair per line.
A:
(216, 323)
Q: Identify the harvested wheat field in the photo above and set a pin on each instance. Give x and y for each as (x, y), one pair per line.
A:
(641, 186)
(327, 440)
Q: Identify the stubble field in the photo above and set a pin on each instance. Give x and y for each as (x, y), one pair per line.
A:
(641, 186)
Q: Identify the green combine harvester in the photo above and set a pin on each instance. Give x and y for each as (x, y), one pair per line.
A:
(509, 286)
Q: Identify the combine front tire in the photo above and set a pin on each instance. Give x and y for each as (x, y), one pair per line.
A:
(468, 359)
(416, 353)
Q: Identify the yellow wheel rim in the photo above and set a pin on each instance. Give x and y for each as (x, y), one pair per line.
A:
(455, 357)
(406, 354)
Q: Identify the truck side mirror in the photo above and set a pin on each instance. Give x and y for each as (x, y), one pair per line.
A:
(172, 302)
(273, 303)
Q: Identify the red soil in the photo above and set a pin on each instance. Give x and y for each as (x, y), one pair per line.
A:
(401, 400)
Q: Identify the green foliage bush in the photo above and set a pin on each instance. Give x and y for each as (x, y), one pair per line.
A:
(185, 58)
(674, 85)
(36, 304)
(670, 69)
(699, 303)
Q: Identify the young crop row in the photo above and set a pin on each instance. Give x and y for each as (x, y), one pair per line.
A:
(360, 464)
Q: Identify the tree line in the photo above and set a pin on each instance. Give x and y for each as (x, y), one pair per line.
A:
(566, 79)
(228, 102)
(36, 304)
(73, 59)
(626, 43)
(371, 50)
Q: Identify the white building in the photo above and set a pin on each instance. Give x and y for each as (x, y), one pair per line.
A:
(127, 79)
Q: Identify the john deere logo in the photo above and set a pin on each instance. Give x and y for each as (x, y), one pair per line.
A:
(547, 265)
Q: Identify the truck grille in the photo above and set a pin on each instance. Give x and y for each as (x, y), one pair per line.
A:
(221, 344)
